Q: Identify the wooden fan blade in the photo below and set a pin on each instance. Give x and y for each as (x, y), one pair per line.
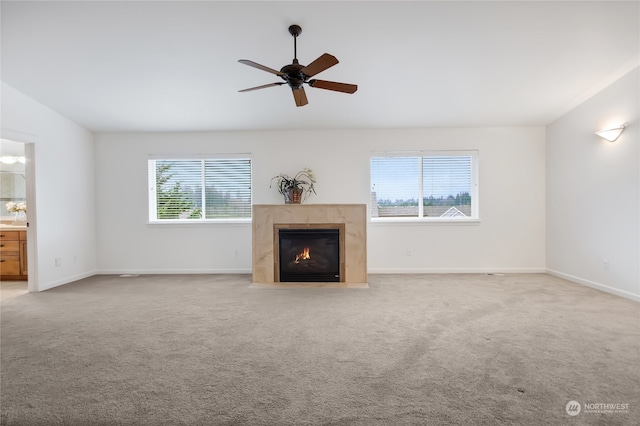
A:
(260, 67)
(264, 86)
(332, 85)
(322, 63)
(300, 97)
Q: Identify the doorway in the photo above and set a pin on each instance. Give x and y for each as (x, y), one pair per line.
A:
(17, 197)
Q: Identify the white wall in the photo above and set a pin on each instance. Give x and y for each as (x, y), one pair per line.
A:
(64, 220)
(593, 192)
(509, 238)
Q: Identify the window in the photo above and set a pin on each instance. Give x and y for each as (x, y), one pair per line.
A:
(199, 189)
(439, 185)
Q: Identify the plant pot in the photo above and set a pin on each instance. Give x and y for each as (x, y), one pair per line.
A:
(293, 196)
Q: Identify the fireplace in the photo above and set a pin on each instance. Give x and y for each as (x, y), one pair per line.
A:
(350, 219)
(309, 255)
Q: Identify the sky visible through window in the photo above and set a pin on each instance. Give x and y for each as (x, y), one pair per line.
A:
(395, 178)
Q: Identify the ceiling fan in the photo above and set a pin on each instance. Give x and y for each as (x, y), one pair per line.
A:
(295, 75)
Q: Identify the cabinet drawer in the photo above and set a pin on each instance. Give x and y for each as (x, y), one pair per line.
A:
(9, 267)
(9, 255)
(6, 246)
(9, 235)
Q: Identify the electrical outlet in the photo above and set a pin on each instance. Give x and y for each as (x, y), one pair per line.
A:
(58, 261)
(409, 252)
(236, 253)
(605, 264)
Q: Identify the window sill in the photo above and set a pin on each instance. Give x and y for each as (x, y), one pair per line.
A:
(195, 222)
(423, 221)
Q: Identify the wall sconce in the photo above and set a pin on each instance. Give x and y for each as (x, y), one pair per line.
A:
(611, 134)
(12, 160)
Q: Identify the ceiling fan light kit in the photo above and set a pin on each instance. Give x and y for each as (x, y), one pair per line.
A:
(296, 75)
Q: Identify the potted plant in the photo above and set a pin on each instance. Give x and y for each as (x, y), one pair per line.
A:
(295, 189)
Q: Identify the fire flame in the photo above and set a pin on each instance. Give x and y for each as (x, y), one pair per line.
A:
(303, 256)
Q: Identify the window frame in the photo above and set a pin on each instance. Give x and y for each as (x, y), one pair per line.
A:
(475, 188)
(151, 190)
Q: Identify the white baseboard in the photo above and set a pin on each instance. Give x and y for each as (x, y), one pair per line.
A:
(595, 285)
(50, 285)
(458, 271)
(171, 271)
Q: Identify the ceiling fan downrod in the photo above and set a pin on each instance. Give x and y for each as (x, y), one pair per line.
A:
(295, 31)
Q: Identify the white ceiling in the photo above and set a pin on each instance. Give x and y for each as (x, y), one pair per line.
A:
(172, 66)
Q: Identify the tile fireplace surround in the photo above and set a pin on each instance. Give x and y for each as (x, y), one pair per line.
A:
(267, 219)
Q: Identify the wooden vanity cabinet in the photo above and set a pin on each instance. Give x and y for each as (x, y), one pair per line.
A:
(13, 255)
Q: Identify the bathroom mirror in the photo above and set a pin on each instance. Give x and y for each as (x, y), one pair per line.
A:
(13, 184)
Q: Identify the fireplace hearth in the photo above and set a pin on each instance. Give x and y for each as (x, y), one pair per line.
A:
(309, 255)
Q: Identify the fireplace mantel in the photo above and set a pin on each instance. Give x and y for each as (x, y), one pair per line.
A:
(267, 218)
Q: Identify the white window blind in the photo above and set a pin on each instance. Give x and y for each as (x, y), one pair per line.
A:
(199, 189)
(429, 185)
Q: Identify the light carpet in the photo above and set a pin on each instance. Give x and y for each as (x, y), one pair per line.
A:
(409, 350)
